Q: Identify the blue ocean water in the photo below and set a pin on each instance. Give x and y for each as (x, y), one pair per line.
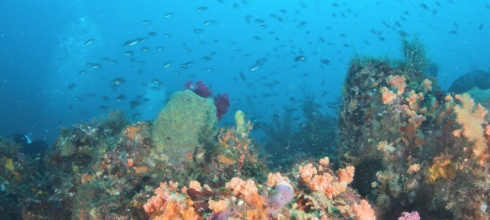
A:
(44, 50)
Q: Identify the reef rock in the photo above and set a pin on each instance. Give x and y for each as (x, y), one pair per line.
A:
(186, 123)
(466, 82)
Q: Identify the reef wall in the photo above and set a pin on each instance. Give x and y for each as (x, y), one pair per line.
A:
(413, 147)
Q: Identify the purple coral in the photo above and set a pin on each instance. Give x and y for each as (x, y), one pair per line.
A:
(284, 194)
(200, 89)
(409, 216)
(221, 101)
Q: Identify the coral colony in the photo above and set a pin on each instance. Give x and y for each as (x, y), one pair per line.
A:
(406, 151)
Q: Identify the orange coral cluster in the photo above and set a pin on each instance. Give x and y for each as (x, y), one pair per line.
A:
(246, 189)
(276, 178)
(473, 128)
(132, 131)
(363, 211)
(168, 204)
(325, 182)
(397, 82)
(346, 175)
(218, 206)
(387, 95)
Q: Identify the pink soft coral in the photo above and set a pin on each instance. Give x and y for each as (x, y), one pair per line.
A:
(409, 216)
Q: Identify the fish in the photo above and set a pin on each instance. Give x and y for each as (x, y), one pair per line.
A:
(160, 48)
(167, 65)
(118, 81)
(186, 65)
(145, 49)
(146, 22)
(133, 41)
(128, 53)
(152, 34)
(198, 31)
(481, 27)
(236, 5)
(424, 6)
(134, 103)
(256, 66)
(136, 115)
(325, 61)
(89, 41)
(202, 8)
(453, 32)
(263, 26)
(167, 35)
(120, 98)
(209, 22)
(244, 78)
(300, 58)
(168, 15)
(82, 72)
(71, 86)
(207, 69)
(157, 82)
(206, 58)
(104, 98)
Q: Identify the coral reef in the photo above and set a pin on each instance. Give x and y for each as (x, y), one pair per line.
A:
(280, 198)
(419, 149)
(411, 151)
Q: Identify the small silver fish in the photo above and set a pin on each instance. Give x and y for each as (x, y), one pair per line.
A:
(90, 41)
(167, 65)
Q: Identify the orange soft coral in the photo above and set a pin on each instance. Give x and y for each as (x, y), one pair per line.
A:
(397, 82)
(276, 178)
(387, 95)
(323, 181)
(246, 189)
(168, 204)
(195, 185)
(346, 175)
(363, 211)
(218, 206)
(472, 121)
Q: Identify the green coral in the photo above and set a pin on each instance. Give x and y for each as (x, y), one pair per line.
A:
(184, 125)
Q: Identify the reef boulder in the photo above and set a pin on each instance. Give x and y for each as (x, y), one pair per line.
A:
(187, 122)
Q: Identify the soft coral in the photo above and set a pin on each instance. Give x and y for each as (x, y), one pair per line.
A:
(221, 101)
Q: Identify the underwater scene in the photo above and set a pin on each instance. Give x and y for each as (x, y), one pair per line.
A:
(245, 109)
